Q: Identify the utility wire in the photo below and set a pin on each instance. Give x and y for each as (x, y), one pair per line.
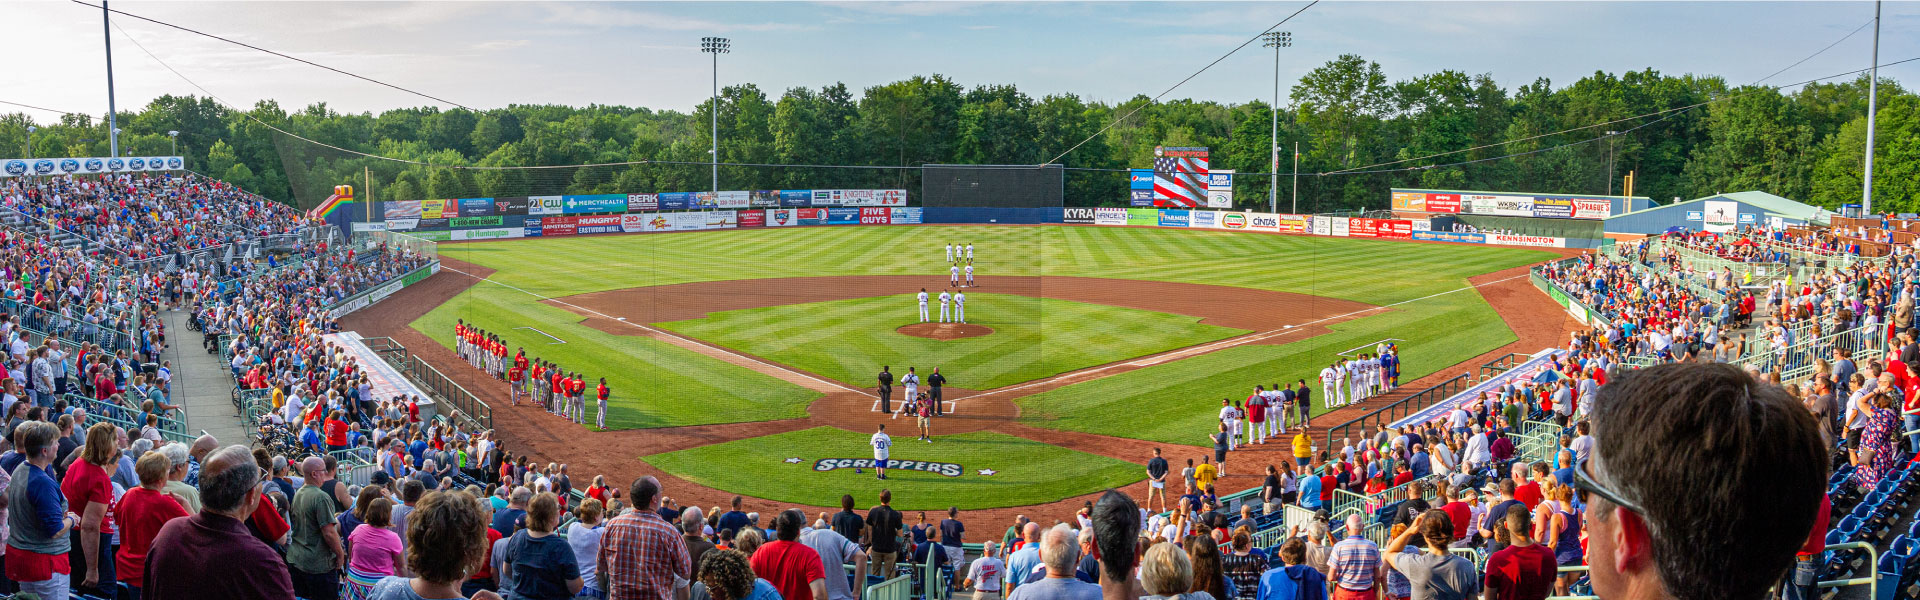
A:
(37, 107)
(1170, 90)
(1365, 168)
(281, 55)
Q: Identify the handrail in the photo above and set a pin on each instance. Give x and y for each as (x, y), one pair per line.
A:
(1872, 580)
(102, 407)
(1402, 407)
(436, 384)
(50, 324)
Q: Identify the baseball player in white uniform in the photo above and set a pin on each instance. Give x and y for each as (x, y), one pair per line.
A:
(969, 275)
(1375, 375)
(1355, 377)
(949, 252)
(945, 298)
(923, 304)
(960, 307)
(1329, 385)
(1276, 414)
(881, 443)
(969, 252)
(953, 276)
(912, 383)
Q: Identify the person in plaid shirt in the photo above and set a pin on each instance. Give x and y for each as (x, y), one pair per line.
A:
(640, 553)
(1355, 563)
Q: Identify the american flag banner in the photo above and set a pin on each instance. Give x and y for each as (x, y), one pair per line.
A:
(1180, 177)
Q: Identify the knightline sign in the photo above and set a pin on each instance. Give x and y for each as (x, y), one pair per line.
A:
(947, 469)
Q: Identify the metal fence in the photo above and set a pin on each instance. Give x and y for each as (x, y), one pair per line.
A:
(1401, 408)
(436, 384)
(1796, 361)
(401, 242)
(53, 324)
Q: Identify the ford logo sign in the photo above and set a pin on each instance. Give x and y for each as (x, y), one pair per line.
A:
(93, 164)
(115, 164)
(16, 168)
(173, 163)
(69, 165)
(42, 167)
(137, 164)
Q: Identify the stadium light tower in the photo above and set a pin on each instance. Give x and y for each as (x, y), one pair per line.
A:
(1276, 40)
(113, 122)
(1610, 143)
(1873, 93)
(30, 130)
(173, 137)
(715, 46)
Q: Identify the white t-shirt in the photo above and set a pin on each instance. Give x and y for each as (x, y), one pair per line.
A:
(986, 573)
(881, 442)
(586, 547)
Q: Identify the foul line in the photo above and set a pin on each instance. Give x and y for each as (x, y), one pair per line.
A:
(1231, 342)
(656, 330)
(549, 335)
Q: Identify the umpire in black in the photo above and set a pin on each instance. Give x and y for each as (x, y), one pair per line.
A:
(886, 390)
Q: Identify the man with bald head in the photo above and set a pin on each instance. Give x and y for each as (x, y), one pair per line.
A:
(211, 555)
(196, 453)
(314, 554)
(1060, 552)
(1023, 562)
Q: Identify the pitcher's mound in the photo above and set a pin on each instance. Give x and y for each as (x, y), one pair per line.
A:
(945, 331)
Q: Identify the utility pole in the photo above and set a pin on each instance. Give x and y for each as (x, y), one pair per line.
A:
(1276, 40)
(1610, 142)
(106, 35)
(715, 46)
(1296, 178)
(1873, 93)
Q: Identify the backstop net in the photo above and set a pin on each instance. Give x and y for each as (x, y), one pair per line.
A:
(993, 186)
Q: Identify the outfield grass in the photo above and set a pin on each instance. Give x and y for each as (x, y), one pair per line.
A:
(1179, 402)
(654, 383)
(847, 340)
(657, 384)
(1026, 472)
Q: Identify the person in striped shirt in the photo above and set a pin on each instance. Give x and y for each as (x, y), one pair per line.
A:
(1355, 564)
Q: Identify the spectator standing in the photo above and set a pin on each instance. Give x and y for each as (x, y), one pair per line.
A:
(314, 554)
(37, 516)
(1435, 574)
(1293, 580)
(375, 550)
(140, 514)
(692, 526)
(847, 523)
(211, 555)
(540, 565)
(728, 576)
(1024, 561)
(510, 519)
(1523, 570)
(1167, 573)
(640, 554)
(834, 551)
(734, 520)
(883, 535)
(584, 536)
(1355, 563)
(793, 568)
(446, 539)
(986, 574)
(88, 489)
(1060, 552)
(952, 532)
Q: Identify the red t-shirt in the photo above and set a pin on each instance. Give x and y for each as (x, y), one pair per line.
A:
(1327, 482)
(336, 432)
(598, 493)
(141, 513)
(1402, 478)
(1521, 573)
(486, 564)
(1817, 539)
(86, 482)
(790, 566)
(1528, 494)
(1462, 516)
(269, 522)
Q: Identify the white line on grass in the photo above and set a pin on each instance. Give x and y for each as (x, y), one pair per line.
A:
(1230, 342)
(655, 330)
(549, 335)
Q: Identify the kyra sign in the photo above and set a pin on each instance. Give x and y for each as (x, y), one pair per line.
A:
(947, 469)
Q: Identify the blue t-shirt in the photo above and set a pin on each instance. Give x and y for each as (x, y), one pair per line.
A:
(506, 520)
(1310, 492)
(542, 566)
(734, 521)
(1056, 588)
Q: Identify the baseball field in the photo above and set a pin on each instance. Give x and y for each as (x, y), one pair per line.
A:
(756, 350)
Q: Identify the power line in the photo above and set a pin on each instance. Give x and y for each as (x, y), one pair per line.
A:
(1622, 120)
(281, 55)
(1210, 65)
(38, 108)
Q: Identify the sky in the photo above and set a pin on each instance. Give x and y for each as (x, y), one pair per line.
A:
(493, 54)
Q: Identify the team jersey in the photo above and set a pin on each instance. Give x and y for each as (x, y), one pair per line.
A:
(1329, 375)
(604, 392)
(881, 442)
(960, 299)
(923, 297)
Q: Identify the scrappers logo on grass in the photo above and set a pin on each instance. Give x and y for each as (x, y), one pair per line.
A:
(947, 469)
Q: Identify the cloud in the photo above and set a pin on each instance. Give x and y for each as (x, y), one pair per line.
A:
(604, 17)
(501, 44)
(911, 9)
(979, 27)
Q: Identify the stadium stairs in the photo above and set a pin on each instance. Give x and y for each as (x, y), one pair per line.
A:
(202, 385)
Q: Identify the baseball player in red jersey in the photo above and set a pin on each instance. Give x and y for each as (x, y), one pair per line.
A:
(601, 422)
(514, 377)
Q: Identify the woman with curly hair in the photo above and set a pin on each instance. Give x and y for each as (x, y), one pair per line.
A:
(446, 539)
(728, 575)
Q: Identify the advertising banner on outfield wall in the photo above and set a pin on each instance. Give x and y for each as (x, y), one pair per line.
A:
(499, 233)
(644, 223)
(829, 197)
(402, 224)
(1109, 216)
(643, 202)
(765, 199)
(433, 224)
(552, 226)
(1320, 225)
(842, 216)
(1140, 198)
(434, 209)
(1526, 240)
(473, 222)
(879, 215)
(1076, 215)
(474, 207)
(1203, 219)
(785, 217)
(1443, 203)
(1220, 188)
(1503, 206)
(753, 218)
(1296, 223)
(545, 205)
(600, 224)
(720, 200)
(1140, 179)
(1592, 209)
(1409, 201)
(796, 198)
(593, 203)
(22, 167)
(1450, 236)
(1422, 225)
(908, 215)
(1267, 222)
(1361, 228)
(401, 209)
(1175, 218)
(510, 207)
(1143, 216)
(1396, 229)
(676, 201)
(1236, 221)
(811, 216)
(1337, 226)
(860, 198)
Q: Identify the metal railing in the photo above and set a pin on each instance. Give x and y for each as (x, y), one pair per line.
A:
(898, 588)
(125, 413)
(435, 383)
(1401, 408)
(1503, 364)
(1797, 360)
(52, 324)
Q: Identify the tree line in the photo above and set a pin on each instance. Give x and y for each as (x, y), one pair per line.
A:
(1359, 134)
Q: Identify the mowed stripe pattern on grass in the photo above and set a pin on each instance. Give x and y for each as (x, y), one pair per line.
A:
(848, 340)
(1025, 472)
